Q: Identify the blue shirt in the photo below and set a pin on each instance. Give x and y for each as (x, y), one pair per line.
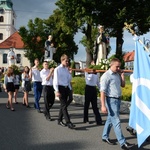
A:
(111, 84)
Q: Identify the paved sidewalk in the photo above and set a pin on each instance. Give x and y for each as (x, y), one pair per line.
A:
(26, 129)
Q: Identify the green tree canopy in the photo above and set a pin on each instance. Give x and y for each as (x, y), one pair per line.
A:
(86, 14)
(63, 35)
(37, 31)
(33, 37)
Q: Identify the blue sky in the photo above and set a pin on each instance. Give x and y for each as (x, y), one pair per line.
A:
(28, 9)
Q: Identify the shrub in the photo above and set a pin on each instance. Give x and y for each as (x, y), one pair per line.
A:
(16, 70)
(127, 92)
(78, 84)
(73, 67)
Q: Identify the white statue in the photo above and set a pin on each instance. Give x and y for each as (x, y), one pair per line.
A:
(100, 47)
(49, 49)
(11, 57)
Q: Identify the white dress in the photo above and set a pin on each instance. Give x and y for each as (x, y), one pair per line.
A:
(11, 57)
(101, 50)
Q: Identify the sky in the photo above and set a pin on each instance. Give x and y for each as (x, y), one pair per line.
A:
(31, 9)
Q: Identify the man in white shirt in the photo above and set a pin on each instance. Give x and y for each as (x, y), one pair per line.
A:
(61, 84)
(37, 86)
(92, 80)
(48, 90)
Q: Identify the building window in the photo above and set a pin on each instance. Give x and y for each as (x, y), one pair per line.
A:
(18, 59)
(1, 36)
(4, 58)
(1, 19)
(13, 21)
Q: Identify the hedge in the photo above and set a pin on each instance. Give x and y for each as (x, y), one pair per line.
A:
(79, 86)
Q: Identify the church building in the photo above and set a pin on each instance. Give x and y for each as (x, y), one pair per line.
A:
(9, 36)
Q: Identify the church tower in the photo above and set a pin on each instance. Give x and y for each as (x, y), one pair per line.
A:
(7, 19)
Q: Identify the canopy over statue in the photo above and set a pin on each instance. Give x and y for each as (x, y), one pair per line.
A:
(49, 49)
(101, 45)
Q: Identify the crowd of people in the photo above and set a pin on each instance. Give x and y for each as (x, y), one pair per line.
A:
(57, 82)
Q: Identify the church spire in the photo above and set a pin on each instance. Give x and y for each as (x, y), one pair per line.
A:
(6, 4)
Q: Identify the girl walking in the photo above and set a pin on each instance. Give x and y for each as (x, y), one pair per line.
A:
(9, 87)
(26, 85)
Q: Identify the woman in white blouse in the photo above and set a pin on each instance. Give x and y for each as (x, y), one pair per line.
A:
(26, 85)
(9, 87)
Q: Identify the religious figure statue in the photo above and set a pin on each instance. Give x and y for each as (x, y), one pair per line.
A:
(49, 49)
(11, 57)
(101, 46)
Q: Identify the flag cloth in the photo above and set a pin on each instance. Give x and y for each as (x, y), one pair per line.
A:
(140, 103)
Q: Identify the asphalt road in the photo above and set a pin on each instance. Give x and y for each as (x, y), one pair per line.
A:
(26, 129)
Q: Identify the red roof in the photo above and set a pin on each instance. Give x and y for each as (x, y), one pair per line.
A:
(15, 40)
(129, 56)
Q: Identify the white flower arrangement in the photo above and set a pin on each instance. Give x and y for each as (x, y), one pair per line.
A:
(52, 64)
(104, 64)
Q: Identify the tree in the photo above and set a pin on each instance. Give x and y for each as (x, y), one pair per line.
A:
(63, 35)
(79, 17)
(37, 32)
(86, 14)
(117, 12)
(34, 38)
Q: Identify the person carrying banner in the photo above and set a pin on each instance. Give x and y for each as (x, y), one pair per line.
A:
(111, 82)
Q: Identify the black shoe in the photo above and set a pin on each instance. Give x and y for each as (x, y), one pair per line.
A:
(85, 121)
(127, 146)
(130, 130)
(39, 110)
(73, 124)
(70, 125)
(28, 106)
(100, 123)
(62, 124)
(48, 118)
(23, 104)
(108, 141)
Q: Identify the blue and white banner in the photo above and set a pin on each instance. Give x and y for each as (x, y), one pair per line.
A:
(140, 104)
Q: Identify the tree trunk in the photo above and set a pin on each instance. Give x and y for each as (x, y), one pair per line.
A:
(89, 47)
(89, 57)
(119, 42)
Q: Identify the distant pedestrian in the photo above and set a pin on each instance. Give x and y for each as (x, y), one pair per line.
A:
(48, 90)
(26, 86)
(17, 85)
(92, 81)
(9, 87)
(111, 82)
(62, 87)
(37, 84)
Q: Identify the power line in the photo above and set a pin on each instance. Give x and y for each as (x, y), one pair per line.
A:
(31, 11)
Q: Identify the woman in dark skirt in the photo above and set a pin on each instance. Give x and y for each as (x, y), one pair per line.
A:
(9, 87)
(26, 85)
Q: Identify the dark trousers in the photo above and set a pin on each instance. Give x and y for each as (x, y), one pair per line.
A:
(91, 96)
(37, 87)
(64, 91)
(70, 98)
(49, 97)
